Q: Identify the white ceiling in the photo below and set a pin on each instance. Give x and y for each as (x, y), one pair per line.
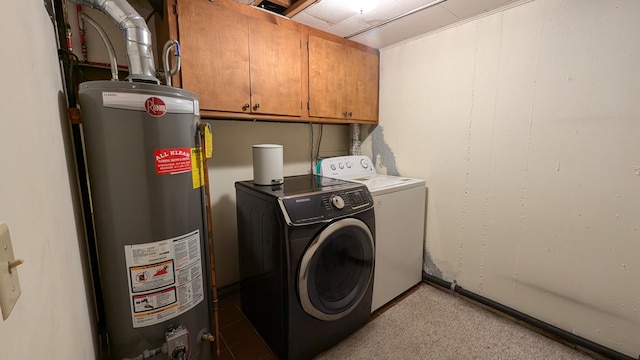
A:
(336, 17)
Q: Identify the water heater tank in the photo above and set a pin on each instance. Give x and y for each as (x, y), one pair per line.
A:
(146, 194)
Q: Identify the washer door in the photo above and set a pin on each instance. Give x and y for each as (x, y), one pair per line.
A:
(336, 269)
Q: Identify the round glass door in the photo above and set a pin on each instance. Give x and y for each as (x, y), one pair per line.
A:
(336, 269)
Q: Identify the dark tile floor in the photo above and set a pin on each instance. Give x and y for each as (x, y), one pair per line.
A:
(240, 341)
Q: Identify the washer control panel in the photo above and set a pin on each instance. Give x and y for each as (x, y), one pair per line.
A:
(325, 206)
(337, 201)
(346, 167)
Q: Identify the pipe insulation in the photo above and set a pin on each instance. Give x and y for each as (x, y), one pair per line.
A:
(354, 142)
(136, 35)
(545, 327)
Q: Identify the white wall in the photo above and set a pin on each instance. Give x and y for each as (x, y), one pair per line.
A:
(52, 317)
(525, 126)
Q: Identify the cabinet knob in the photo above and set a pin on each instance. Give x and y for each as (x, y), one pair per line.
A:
(344, 114)
(350, 114)
(256, 106)
(245, 107)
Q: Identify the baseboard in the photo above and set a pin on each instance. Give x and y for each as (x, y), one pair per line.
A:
(579, 343)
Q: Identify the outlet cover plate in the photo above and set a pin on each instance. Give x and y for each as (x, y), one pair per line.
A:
(9, 284)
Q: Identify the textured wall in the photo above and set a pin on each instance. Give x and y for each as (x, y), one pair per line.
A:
(525, 126)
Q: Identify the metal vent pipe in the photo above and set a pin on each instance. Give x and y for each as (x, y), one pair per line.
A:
(136, 35)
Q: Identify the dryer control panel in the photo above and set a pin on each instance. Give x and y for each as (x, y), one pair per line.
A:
(312, 208)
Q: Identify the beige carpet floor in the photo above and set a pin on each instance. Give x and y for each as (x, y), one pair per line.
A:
(433, 324)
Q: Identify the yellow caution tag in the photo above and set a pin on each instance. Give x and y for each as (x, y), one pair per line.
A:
(208, 141)
(196, 168)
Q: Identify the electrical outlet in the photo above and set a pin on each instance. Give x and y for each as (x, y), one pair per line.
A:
(9, 284)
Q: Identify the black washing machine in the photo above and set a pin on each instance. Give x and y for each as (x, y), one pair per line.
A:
(306, 261)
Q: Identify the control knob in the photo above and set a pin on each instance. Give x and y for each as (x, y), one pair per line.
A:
(337, 202)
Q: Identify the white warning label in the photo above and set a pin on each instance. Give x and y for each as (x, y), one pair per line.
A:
(165, 278)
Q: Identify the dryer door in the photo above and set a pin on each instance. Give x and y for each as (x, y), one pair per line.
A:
(337, 269)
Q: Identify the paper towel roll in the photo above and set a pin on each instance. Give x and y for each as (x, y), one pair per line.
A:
(267, 164)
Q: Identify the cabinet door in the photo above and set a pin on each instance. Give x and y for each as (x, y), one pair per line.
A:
(363, 85)
(275, 64)
(215, 55)
(327, 78)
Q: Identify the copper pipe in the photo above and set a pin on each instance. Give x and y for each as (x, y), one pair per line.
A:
(212, 259)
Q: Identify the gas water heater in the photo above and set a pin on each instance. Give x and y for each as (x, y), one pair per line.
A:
(146, 179)
(147, 201)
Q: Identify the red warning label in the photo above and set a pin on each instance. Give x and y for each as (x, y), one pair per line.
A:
(172, 161)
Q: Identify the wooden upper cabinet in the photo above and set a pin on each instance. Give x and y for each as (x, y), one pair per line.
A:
(237, 63)
(343, 80)
(275, 69)
(327, 78)
(244, 63)
(363, 88)
(215, 55)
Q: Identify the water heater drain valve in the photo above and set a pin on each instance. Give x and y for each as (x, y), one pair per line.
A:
(177, 342)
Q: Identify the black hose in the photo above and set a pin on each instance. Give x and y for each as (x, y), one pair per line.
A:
(546, 327)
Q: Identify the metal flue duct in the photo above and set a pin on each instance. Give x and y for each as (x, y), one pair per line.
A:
(136, 34)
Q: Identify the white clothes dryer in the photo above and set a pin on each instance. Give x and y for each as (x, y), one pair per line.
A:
(400, 204)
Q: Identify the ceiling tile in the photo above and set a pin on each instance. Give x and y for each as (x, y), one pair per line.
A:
(466, 8)
(336, 17)
(314, 22)
(409, 27)
(330, 11)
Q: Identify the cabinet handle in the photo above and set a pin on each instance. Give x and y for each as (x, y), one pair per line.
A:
(246, 107)
(256, 106)
(350, 114)
(344, 114)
